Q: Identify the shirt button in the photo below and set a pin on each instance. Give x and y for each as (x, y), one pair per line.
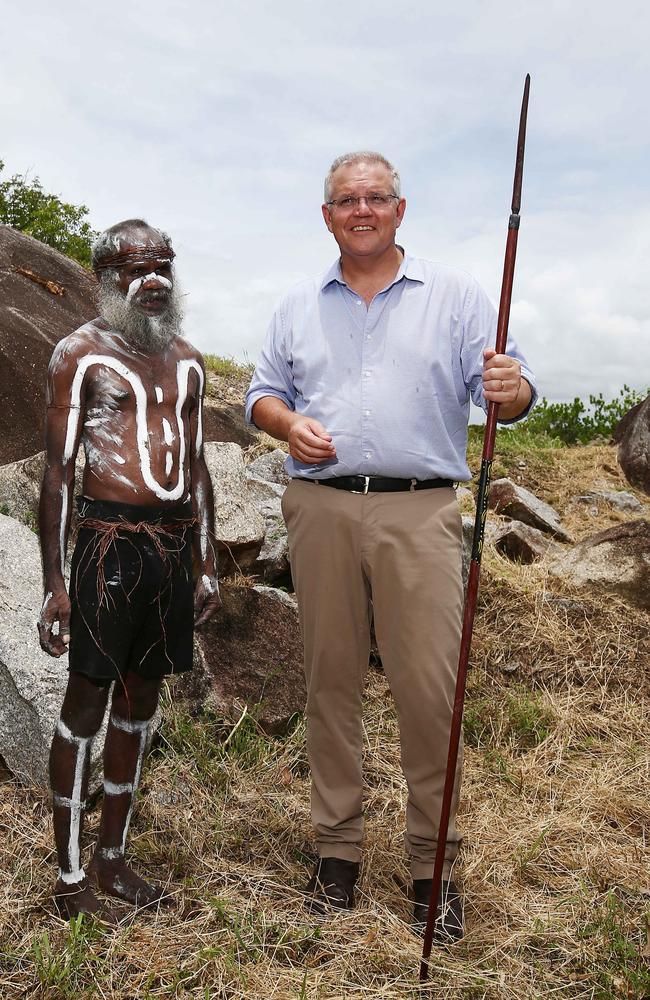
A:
(368, 454)
(368, 336)
(366, 413)
(359, 302)
(366, 374)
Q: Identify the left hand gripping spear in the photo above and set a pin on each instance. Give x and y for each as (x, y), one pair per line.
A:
(477, 543)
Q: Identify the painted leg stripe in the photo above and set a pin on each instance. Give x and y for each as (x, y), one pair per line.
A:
(130, 725)
(71, 877)
(67, 735)
(110, 853)
(110, 788)
(62, 800)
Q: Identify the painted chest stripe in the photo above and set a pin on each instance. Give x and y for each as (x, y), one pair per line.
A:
(183, 369)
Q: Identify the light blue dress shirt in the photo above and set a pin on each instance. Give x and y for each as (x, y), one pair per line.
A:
(390, 382)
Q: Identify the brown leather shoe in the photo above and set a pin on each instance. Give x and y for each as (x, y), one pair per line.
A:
(332, 885)
(449, 925)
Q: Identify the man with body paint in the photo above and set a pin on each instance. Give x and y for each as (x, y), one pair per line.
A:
(130, 389)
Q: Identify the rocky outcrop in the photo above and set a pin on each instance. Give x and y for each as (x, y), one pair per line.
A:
(617, 559)
(224, 421)
(239, 528)
(32, 684)
(633, 438)
(521, 505)
(619, 500)
(44, 296)
(522, 543)
(249, 658)
(270, 467)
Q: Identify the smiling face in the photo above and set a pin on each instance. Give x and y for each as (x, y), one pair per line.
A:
(364, 231)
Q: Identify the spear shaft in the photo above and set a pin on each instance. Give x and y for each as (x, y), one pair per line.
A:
(477, 543)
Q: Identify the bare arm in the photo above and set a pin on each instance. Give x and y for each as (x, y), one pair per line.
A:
(308, 440)
(206, 593)
(62, 433)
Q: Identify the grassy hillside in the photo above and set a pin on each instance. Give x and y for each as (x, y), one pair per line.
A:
(555, 813)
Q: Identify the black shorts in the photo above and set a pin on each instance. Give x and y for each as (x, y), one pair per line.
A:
(131, 591)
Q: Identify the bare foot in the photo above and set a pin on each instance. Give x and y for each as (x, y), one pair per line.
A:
(116, 878)
(71, 899)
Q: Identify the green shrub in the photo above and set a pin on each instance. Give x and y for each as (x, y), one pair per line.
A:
(577, 422)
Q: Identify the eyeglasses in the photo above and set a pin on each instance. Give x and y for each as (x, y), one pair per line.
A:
(371, 200)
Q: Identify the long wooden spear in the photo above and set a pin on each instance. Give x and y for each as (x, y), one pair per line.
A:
(477, 543)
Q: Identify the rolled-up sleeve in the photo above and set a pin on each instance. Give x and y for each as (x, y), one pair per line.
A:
(273, 374)
(479, 334)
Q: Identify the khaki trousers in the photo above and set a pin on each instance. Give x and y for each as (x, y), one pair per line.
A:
(399, 554)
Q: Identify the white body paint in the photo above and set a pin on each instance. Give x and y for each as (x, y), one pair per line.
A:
(183, 369)
(159, 394)
(169, 461)
(132, 726)
(64, 522)
(209, 585)
(75, 804)
(110, 788)
(137, 283)
(168, 437)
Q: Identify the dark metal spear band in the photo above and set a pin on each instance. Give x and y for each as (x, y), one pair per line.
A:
(477, 543)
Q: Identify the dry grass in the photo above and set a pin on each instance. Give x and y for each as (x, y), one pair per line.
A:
(555, 814)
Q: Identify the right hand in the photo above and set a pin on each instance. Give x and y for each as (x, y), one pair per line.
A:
(309, 442)
(56, 608)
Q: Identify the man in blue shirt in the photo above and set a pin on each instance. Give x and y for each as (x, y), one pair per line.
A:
(368, 374)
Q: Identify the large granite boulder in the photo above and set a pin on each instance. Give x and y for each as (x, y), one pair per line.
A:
(44, 296)
(617, 559)
(32, 684)
(20, 488)
(249, 657)
(633, 438)
(520, 504)
(239, 527)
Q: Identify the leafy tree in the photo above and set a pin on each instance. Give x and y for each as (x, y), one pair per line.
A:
(27, 207)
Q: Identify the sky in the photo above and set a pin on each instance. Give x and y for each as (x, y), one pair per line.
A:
(218, 121)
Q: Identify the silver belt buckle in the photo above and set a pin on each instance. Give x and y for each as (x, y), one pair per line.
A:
(365, 487)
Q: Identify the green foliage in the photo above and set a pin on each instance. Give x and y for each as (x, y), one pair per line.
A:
(63, 967)
(577, 422)
(27, 207)
(520, 721)
(228, 367)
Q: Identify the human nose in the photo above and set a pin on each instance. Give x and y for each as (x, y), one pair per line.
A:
(362, 206)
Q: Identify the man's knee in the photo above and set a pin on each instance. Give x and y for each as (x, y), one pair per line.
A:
(137, 698)
(84, 704)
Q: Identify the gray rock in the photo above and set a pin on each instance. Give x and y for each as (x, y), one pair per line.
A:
(522, 543)
(618, 499)
(617, 559)
(270, 466)
(520, 504)
(32, 684)
(239, 527)
(633, 438)
(261, 490)
(249, 658)
(20, 488)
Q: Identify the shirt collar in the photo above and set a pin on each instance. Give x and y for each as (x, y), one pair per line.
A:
(410, 268)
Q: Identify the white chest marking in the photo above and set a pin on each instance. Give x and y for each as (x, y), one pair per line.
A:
(159, 394)
(183, 369)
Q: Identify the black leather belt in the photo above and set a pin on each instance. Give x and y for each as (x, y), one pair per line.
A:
(377, 484)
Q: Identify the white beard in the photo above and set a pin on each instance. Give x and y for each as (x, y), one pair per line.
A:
(146, 333)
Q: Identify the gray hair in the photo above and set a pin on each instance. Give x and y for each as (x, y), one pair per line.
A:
(362, 156)
(109, 242)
